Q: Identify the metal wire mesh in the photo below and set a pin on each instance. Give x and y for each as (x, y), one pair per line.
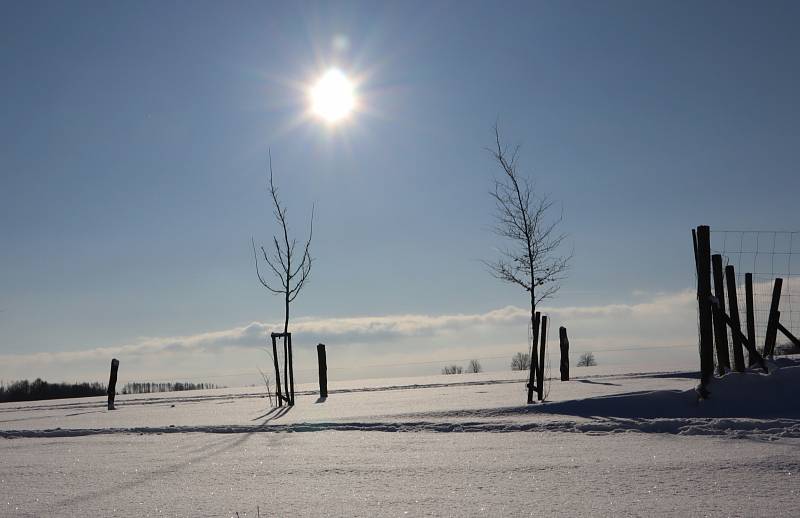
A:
(766, 254)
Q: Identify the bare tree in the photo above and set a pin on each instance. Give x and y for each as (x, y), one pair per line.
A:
(521, 362)
(531, 259)
(291, 270)
(586, 360)
(452, 369)
(474, 366)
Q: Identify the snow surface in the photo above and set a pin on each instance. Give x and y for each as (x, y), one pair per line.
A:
(605, 444)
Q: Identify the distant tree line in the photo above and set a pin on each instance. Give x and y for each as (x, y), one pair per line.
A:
(38, 389)
(137, 387)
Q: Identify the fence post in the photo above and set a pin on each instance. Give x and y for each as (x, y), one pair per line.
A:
(720, 332)
(533, 368)
(323, 371)
(277, 370)
(543, 344)
(704, 307)
(112, 383)
(772, 321)
(751, 319)
(733, 308)
(564, 344)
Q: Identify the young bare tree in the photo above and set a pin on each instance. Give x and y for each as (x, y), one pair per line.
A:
(290, 267)
(531, 259)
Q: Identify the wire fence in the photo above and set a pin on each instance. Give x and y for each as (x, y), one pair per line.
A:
(766, 254)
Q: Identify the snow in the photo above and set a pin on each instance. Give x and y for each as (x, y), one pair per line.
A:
(607, 443)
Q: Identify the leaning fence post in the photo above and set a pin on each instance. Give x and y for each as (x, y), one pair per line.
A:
(733, 307)
(112, 384)
(543, 344)
(703, 263)
(323, 371)
(772, 321)
(751, 319)
(564, 344)
(720, 332)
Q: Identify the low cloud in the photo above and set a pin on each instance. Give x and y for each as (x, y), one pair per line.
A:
(667, 319)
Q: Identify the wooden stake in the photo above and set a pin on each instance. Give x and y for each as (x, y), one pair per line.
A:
(543, 344)
(112, 384)
(733, 305)
(772, 321)
(533, 369)
(751, 320)
(720, 334)
(277, 369)
(564, 344)
(704, 307)
(323, 371)
(291, 370)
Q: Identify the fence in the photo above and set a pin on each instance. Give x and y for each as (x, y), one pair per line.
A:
(768, 255)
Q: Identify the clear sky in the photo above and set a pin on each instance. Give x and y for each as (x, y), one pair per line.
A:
(133, 162)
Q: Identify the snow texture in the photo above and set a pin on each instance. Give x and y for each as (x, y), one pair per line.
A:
(607, 444)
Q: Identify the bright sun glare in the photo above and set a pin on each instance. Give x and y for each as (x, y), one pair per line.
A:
(333, 96)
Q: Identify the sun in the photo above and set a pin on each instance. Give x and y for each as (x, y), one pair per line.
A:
(333, 96)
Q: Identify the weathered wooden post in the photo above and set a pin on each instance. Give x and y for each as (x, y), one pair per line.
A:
(772, 321)
(751, 319)
(542, 346)
(720, 332)
(733, 307)
(703, 258)
(112, 384)
(564, 344)
(533, 369)
(277, 369)
(323, 371)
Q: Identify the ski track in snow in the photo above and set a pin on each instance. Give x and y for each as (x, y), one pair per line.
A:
(770, 429)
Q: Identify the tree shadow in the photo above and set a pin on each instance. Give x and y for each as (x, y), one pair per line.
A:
(274, 414)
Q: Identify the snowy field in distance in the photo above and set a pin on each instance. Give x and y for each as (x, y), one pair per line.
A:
(608, 443)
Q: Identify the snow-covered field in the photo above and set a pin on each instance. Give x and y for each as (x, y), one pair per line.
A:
(606, 444)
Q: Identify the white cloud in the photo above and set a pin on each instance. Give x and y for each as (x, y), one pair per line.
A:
(662, 320)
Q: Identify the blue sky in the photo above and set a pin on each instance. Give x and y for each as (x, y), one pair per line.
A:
(133, 154)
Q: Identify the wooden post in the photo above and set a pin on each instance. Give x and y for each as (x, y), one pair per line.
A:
(277, 370)
(543, 344)
(323, 371)
(772, 321)
(720, 333)
(733, 308)
(704, 307)
(751, 319)
(564, 344)
(112, 384)
(533, 369)
(291, 370)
